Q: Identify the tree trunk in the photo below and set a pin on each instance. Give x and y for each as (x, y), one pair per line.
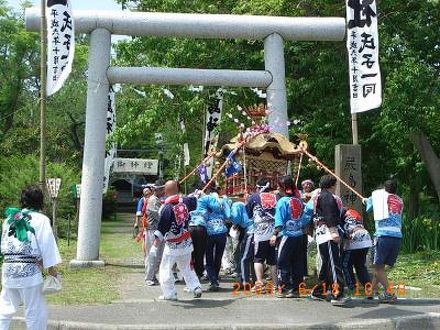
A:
(413, 208)
(429, 157)
(74, 132)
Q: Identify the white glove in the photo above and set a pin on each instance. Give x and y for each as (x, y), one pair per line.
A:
(153, 251)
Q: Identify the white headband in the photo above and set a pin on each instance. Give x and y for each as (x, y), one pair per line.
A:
(263, 188)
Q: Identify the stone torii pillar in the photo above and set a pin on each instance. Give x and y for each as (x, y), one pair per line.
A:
(89, 232)
(273, 30)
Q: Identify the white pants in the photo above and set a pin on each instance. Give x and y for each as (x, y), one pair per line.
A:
(228, 258)
(166, 277)
(151, 261)
(35, 309)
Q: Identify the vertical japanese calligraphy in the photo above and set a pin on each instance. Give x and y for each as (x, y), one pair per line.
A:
(60, 43)
(363, 55)
(348, 166)
(213, 117)
(110, 151)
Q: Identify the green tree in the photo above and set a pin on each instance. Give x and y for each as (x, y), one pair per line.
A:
(317, 80)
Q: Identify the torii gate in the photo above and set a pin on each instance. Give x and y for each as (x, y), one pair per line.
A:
(101, 25)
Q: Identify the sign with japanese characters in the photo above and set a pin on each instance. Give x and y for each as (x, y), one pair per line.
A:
(348, 162)
(60, 43)
(53, 186)
(213, 117)
(135, 166)
(110, 152)
(363, 55)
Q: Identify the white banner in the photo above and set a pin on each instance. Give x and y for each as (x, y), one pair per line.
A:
(186, 157)
(53, 186)
(135, 166)
(60, 43)
(213, 117)
(363, 55)
(111, 125)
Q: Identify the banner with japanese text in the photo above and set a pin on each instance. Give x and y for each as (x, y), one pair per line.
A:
(60, 43)
(363, 55)
(110, 151)
(213, 117)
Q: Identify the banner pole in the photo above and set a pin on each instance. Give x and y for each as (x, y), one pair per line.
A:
(43, 94)
(354, 128)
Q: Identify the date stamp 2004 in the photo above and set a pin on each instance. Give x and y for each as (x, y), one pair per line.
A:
(304, 291)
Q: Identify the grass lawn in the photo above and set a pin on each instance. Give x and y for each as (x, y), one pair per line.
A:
(420, 270)
(97, 285)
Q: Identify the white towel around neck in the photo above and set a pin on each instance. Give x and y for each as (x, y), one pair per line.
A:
(380, 204)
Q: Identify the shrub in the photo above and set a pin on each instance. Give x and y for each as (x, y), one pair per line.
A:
(109, 204)
(17, 172)
(420, 234)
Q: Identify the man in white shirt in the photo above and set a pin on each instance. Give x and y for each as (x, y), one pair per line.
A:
(28, 246)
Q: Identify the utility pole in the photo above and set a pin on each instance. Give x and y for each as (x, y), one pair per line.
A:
(43, 79)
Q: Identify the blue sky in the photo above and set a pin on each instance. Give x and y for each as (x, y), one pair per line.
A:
(76, 4)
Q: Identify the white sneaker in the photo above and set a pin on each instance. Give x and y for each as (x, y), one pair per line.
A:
(197, 292)
(150, 283)
(172, 298)
(338, 301)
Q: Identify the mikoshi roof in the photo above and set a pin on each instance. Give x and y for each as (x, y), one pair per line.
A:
(275, 143)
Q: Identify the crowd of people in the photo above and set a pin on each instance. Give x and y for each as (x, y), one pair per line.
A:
(267, 236)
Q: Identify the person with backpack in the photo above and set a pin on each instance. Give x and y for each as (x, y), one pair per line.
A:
(173, 230)
(327, 217)
(28, 246)
(291, 219)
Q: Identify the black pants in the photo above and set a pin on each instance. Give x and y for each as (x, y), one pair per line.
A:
(331, 270)
(356, 258)
(305, 245)
(247, 259)
(291, 262)
(214, 254)
(199, 237)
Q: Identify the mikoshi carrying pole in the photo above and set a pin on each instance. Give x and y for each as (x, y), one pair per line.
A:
(195, 168)
(223, 166)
